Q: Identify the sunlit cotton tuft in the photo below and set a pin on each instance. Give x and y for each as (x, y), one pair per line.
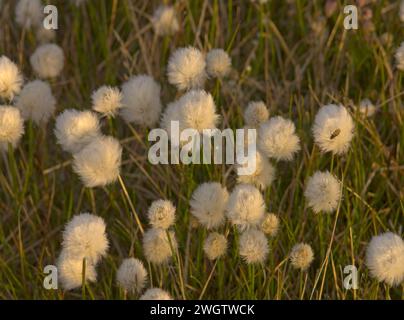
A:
(301, 256)
(29, 13)
(208, 204)
(323, 192)
(132, 275)
(36, 101)
(165, 21)
(99, 162)
(253, 246)
(159, 245)
(11, 127)
(48, 60)
(399, 56)
(256, 113)
(155, 294)
(215, 245)
(186, 69)
(10, 78)
(218, 63)
(270, 224)
(106, 100)
(161, 214)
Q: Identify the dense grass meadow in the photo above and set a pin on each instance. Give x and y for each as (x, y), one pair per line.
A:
(295, 56)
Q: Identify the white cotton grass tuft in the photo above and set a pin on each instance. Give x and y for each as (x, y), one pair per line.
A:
(161, 214)
(208, 204)
(84, 237)
(70, 271)
(36, 101)
(75, 129)
(256, 113)
(323, 192)
(99, 162)
(141, 101)
(11, 127)
(399, 56)
(29, 13)
(215, 245)
(165, 22)
(264, 173)
(253, 246)
(155, 294)
(401, 11)
(366, 108)
(48, 60)
(385, 258)
(301, 256)
(270, 224)
(131, 275)
(277, 139)
(10, 78)
(245, 207)
(333, 129)
(218, 63)
(159, 245)
(186, 69)
(106, 100)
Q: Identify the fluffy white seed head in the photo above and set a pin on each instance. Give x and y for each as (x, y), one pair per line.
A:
(36, 101)
(246, 206)
(270, 224)
(399, 56)
(10, 78)
(277, 139)
(131, 275)
(366, 108)
(48, 60)
(253, 246)
(159, 245)
(401, 11)
(301, 256)
(106, 100)
(165, 21)
(141, 101)
(218, 63)
(161, 214)
(385, 258)
(264, 173)
(323, 192)
(208, 204)
(256, 113)
(70, 271)
(155, 294)
(186, 68)
(215, 245)
(333, 129)
(29, 13)
(75, 129)
(84, 237)
(11, 127)
(99, 162)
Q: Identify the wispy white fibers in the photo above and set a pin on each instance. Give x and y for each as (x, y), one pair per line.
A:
(47, 60)
(246, 206)
(84, 237)
(323, 192)
(218, 63)
(99, 162)
(301, 256)
(159, 245)
(333, 129)
(141, 101)
(385, 258)
(10, 78)
(277, 139)
(36, 101)
(253, 246)
(186, 68)
(70, 271)
(264, 173)
(399, 55)
(208, 204)
(215, 245)
(29, 13)
(256, 113)
(367, 108)
(106, 100)
(165, 21)
(155, 294)
(401, 11)
(75, 129)
(161, 214)
(11, 127)
(270, 224)
(132, 275)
